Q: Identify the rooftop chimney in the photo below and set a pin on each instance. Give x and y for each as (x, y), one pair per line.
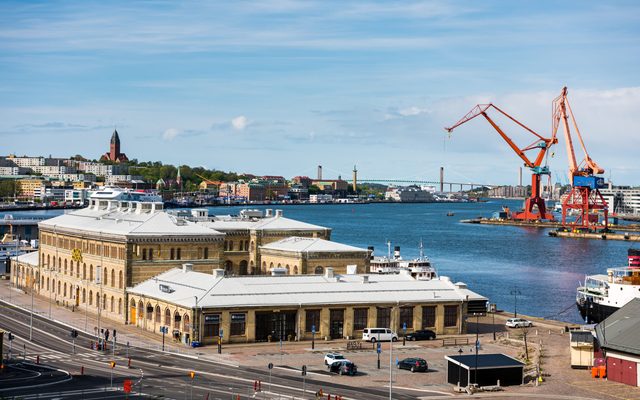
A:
(187, 268)
(328, 273)
(278, 213)
(218, 272)
(268, 212)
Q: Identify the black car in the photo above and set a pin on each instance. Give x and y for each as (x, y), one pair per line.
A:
(424, 334)
(413, 364)
(343, 368)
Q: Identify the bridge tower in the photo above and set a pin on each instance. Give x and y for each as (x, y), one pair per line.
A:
(441, 179)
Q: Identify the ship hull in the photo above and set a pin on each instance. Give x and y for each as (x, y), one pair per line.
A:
(593, 313)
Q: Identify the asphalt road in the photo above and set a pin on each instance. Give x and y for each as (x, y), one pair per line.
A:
(66, 372)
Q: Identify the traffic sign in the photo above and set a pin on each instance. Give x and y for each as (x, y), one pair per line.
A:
(304, 370)
(270, 365)
(379, 348)
(221, 333)
(404, 326)
(313, 329)
(477, 344)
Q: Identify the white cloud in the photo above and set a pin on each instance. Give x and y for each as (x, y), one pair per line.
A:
(171, 134)
(240, 123)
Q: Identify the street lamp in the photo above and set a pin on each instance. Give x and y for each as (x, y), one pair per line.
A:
(460, 367)
(515, 292)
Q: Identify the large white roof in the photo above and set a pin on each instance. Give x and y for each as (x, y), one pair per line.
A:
(303, 244)
(117, 222)
(276, 223)
(295, 290)
(30, 258)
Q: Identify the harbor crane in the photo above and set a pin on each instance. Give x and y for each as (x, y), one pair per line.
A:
(541, 144)
(584, 199)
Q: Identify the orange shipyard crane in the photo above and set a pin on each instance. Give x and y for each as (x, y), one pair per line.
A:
(541, 144)
(584, 197)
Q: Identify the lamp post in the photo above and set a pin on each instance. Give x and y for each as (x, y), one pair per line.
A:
(515, 292)
(391, 369)
(460, 367)
(475, 373)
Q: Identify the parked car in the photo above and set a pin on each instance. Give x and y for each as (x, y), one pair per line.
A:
(423, 334)
(413, 364)
(330, 358)
(345, 367)
(518, 323)
(379, 334)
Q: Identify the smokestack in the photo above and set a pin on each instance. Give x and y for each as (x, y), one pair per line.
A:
(441, 179)
(396, 252)
(319, 172)
(520, 177)
(355, 179)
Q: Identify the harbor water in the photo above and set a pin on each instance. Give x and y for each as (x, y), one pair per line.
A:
(495, 261)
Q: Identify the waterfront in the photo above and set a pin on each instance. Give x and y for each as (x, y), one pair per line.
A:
(492, 260)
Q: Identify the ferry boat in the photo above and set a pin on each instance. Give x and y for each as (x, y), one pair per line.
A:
(419, 268)
(602, 295)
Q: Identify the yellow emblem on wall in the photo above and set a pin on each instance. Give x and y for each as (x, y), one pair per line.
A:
(76, 255)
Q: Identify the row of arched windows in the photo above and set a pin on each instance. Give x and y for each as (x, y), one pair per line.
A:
(155, 315)
(105, 280)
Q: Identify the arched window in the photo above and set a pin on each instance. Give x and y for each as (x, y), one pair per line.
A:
(120, 279)
(149, 313)
(228, 266)
(60, 264)
(65, 290)
(243, 267)
(90, 297)
(157, 316)
(104, 302)
(97, 300)
(288, 270)
(65, 267)
(84, 295)
(49, 261)
(113, 278)
(59, 286)
(48, 284)
(295, 270)
(105, 275)
(54, 262)
(176, 320)
(319, 270)
(120, 306)
(185, 323)
(140, 310)
(84, 271)
(167, 317)
(112, 305)
(91, 272)
(77, 269)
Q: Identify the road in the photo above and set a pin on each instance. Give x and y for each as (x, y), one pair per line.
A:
(68, 371)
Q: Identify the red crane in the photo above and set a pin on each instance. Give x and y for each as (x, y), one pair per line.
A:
(584, 198)
(541, 144)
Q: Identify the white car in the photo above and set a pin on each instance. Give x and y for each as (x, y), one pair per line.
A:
(330, 358)
(518, 323)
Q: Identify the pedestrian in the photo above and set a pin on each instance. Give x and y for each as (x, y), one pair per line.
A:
(106, 335)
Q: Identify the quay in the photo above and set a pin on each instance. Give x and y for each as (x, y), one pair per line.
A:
(623, 233)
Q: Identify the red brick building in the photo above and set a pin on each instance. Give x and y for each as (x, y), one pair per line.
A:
(114, 153)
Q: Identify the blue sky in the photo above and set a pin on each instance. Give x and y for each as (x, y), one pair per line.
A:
(278, 87)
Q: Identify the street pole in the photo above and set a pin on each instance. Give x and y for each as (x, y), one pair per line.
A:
(31, 316)
(493, 315)
(391, 369)
(378, 349)
(86, 305)
(475, 378)
(515, 292)
(460, 368)
(50, 289)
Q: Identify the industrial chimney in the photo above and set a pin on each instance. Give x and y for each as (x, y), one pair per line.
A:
(319, 172)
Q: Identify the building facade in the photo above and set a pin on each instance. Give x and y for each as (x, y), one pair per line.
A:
(208, 307)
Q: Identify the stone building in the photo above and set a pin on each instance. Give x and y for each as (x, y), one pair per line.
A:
(90, 256)
(306, 255)
(206, 307)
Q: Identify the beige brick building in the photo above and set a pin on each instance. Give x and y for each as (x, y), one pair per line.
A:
(207, 307)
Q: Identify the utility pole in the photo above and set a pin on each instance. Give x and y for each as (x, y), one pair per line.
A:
(31, 314)
(515, 292)
(475, 377)
(391, 369)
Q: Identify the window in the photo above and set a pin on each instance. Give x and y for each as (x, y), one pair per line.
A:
(178, 256)
(450, 316)
(120, 279)
(90, 272)
(360, 318)
(406, 317)
(428, 316)
(113, 278)
(150, 254)
(238, 323)
(84, 271)
(211, 325)
(206, 252)
(157, 314)
(167, 317)
(312, 318)
(172, 254)
(144, 254)
(319, 270)
(384, 317)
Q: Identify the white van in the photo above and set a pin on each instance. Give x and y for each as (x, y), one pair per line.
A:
(379, 334)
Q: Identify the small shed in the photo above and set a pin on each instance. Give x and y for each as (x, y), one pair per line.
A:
(490, 368)
(582, 349)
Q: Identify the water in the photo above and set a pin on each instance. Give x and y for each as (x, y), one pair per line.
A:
(493, 260)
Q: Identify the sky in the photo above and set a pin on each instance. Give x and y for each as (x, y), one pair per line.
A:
(278, 87)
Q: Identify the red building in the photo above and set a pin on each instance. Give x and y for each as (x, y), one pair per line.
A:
(114, 153)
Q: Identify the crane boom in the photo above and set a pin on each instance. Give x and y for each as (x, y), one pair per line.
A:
(541, 143)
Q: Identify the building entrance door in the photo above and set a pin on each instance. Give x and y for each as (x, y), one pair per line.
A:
(336, 324)
(278, 325)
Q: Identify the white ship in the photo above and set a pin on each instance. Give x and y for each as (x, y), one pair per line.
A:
(602, 295)
(419, 268)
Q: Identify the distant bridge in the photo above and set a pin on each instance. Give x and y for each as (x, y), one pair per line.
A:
(443, 185)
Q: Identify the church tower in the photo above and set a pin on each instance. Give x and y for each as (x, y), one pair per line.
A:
(114, 151)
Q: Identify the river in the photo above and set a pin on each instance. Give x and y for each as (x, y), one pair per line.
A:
(494, 261)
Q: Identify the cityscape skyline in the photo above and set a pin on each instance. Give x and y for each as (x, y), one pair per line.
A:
(279, 87)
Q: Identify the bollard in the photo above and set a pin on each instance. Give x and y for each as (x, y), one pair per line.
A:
(549, 331)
